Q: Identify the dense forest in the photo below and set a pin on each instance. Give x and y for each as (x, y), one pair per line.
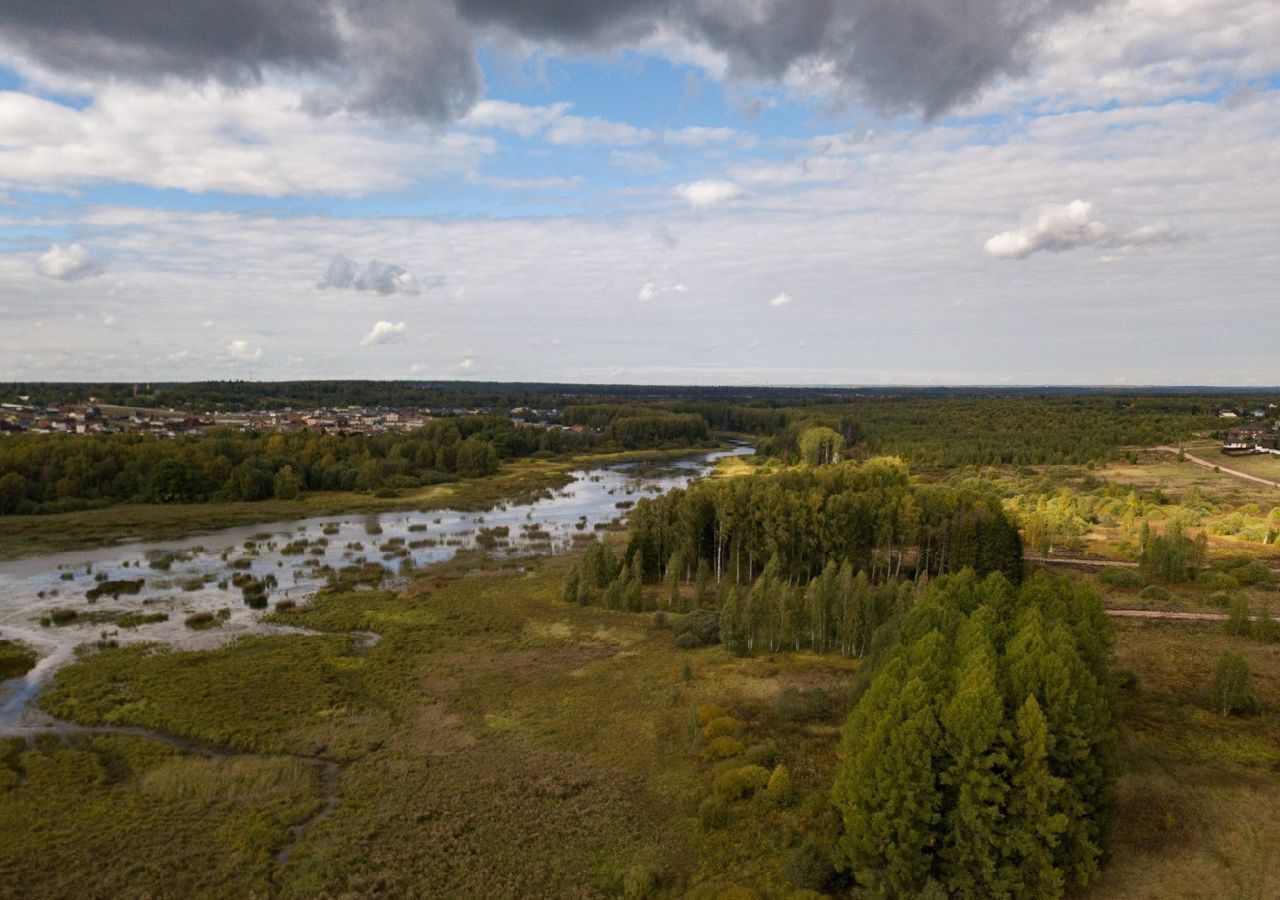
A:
(980, 759)
(871, 515)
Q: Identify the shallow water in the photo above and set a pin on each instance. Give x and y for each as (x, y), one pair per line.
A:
(32, 588)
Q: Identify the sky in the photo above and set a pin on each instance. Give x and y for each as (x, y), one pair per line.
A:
(851, 192)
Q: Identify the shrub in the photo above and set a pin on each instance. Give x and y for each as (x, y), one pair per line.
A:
(713, 813)
(1216, 581)
(1238, 622)
(15, 659)
(63, 616)
(1231, 692)
(812, 705)
(709, 711)
(762, 755)
(1220, 599)
(1266, 628)
(718, 727)
(1155, 592)
(660, 619)
(779, 791)
(134, 619)
(699, 628)
(642, 880)
(809, 867)
(201, 621)
(740, 783)
(1248, 571)
(724, 747)
(1119, 576)
(1125, 679)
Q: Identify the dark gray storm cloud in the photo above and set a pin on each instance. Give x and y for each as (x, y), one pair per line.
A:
(418, 57)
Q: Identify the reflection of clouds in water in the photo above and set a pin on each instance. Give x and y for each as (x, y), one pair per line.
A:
(195, 573)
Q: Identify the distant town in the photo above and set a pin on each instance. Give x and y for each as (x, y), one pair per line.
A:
(1261, 436)
(92, 417)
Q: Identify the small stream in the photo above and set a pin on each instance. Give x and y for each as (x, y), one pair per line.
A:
(194, 575)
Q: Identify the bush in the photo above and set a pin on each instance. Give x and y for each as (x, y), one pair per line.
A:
(1231, 693)
(1125, 679)
(709, 711)
(1248, 571)
(812, 705)
(699, 628)
(134, 619)
(724, 747)
(1220, 599)
(809, 867)
(1266, 628)
(1119, 576)
(1155, 592)
(779, 790)
(642, 880)
(62, 616)
(740, 783)
(16, 659)
(713, 813)
(721, 726)
(762, 755)
(1238, 621)
(1216, 581)
(201, 621)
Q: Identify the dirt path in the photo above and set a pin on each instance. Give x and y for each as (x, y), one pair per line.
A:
(1167, 615)
(1221, 468)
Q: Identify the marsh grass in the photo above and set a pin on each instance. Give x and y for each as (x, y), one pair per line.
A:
(496, 741)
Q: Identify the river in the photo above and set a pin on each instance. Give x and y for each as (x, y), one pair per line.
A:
(193, 575)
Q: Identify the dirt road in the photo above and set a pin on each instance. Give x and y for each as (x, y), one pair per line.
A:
(1167, 614)
(1221, 468)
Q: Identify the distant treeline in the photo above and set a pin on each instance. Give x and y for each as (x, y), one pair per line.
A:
(702, 399)
(58, 473)
(980, 429)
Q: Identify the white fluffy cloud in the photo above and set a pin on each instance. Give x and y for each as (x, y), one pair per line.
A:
(383, 333)
(1053, 228)
(241, 351)
(705, 194)
(1076, 224)
(780, 300)
(69, 263)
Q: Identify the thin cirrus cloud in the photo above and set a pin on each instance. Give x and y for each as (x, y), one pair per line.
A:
(383, 333)
(1056, 229)
(71, 262)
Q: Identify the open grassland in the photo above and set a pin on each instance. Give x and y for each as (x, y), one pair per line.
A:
(1199, 793)
(516, 481)
(498, 742)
